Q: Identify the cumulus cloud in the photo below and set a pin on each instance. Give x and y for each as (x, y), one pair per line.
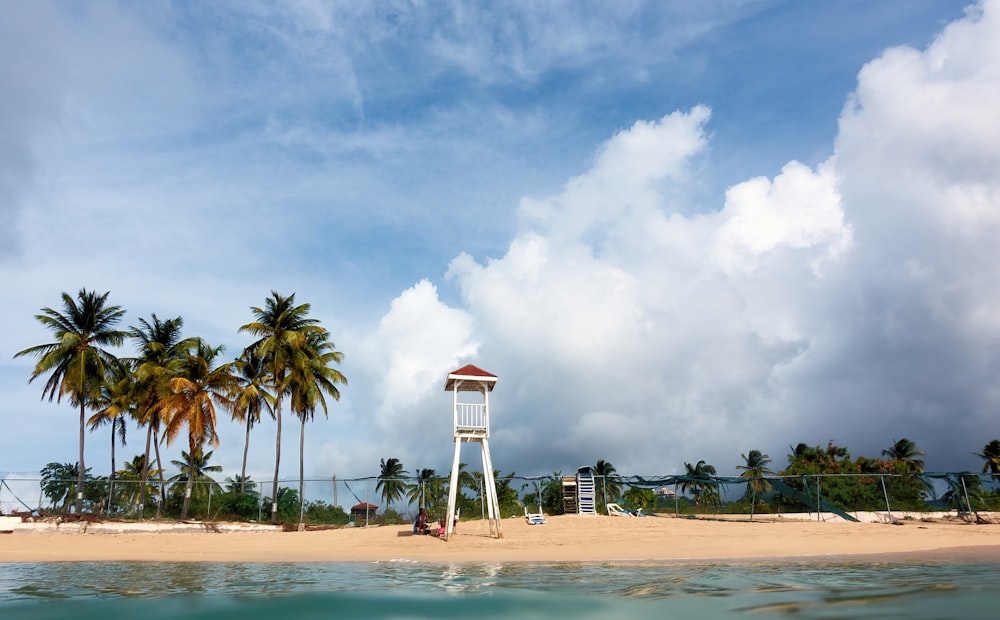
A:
(852, 301)
(417, 343)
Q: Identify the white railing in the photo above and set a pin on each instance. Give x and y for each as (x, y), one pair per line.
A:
(471, 417)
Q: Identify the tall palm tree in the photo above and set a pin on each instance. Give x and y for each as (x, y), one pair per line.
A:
(391, 481)
(754, 468)
(991, 456)
(77, 360)
(250, 397)
(197, 387)
(608, 473)
(116, 401)
(308, 382)
(906, 452)
(160, 352)
(282, 330)
(699, 480)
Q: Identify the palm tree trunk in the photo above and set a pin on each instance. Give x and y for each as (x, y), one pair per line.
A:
(159, 468)
(246, 448)
(145, 471)
(111, 486)
(190, 481)
(277, 463)
(302, 471)
(79, 481)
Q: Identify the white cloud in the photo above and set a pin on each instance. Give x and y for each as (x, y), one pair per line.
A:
(798, 210)
(829, 303)
(417, 343)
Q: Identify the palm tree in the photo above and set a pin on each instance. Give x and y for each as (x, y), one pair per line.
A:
(391, 481)
(198, 385)
(308, 383)
(116, 400)
(242, 485)
(425, 490)
(755, 467)
(135, 472)
(77, 360)
(699, 480)
(282, 330)
(250, 398)
(609, 474)
(193, 468)
(991, 454)
(906, 452)
(161, 350)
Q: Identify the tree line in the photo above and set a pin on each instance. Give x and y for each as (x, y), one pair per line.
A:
(172, 385)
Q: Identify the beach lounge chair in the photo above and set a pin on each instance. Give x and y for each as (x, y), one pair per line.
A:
(534, 518)
(615, 510)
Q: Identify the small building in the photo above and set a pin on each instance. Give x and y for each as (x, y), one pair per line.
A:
(363, 512)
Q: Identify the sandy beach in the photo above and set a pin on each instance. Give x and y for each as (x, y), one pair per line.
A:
(568, 538)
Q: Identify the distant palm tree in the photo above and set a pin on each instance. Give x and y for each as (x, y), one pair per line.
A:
(77, 360)
(608, 473)
(906, 452)
(250, 397)
(197, 387)
(699, 480)
(754, 468)
(391, 483)
(241, 485)
(425, 490)
(991, 454)
(283, 332)
(308, 382)
(160, 352)
(194, 468)
(134, 474)
(116, 401)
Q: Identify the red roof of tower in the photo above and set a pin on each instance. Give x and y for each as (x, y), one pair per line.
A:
(470, 372)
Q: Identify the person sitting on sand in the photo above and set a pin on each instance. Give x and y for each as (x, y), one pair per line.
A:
(420, 525)
(441, 529)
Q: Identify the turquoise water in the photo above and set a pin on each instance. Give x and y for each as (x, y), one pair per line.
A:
(835, 589)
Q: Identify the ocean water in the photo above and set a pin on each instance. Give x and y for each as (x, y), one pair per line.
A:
(796, 589)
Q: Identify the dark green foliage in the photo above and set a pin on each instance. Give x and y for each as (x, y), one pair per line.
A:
(390, 517)
(861, 488)
(321, 513)
(550, 492)
(233, 505)
(639, 497)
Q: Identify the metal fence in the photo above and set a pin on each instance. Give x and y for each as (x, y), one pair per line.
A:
(365, 498)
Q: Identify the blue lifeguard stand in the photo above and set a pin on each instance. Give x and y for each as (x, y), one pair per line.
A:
(472, 425)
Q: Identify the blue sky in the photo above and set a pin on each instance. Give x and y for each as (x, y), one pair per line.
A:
(675, 231)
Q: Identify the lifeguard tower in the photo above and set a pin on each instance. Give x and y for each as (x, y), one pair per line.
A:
(472, 424)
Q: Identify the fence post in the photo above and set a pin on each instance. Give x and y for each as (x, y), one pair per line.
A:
(819, 501)
(888, 508)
